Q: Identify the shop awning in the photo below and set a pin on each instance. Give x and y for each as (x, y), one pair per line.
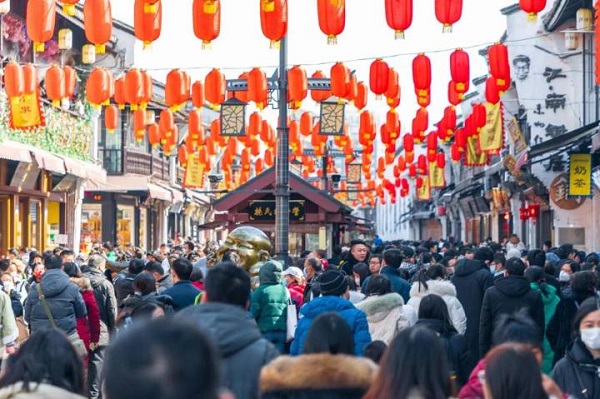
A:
(14, 152)
(160, 193)
(84, 170)
(211, 225)
(49, 162)
(119, 184)
(563, 140)
(197, 198)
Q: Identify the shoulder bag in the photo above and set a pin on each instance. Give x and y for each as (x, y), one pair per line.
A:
(292, 318)
(74, 339)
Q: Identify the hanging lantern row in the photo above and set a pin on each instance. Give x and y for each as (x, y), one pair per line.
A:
(532, 8)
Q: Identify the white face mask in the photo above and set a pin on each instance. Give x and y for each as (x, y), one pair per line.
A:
(8, 287)
(591, 338)
(493, 269)
(563, 277)
(357, 281)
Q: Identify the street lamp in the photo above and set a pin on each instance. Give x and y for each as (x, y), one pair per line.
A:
(233, 118)
(332, 117)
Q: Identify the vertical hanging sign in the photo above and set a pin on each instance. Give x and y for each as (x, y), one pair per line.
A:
(580, 175)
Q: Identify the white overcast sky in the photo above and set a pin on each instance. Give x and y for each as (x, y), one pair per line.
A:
(241, 44)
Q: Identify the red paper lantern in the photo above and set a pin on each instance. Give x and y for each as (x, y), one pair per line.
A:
(362, 95)
(14, 82)
(68, 6)
(421, 68)
(214, 87)
(55, 84)
(448, 12)
(147, 21)
(70, 81)
(523, 213)
(297, 86)
(40, 21)
(460, 70)
(198, 98)
(111, 118)
(492, 93)
(455, 153)
(340, 77)
(98, 86)
(441, 160)
(134, 87)
(147, 88)
(332, 18)
(154, 135)
(207, 20)
(319, 95)
(379, 77)
(532, 8)
(454, 97)
(257, 87)
(460, 139)
(431, 145)
(274, 20)
(534, 211)
(176, 89)
(399, 16)
(409, 143)
(393, 89)
(479, 116)
(97, 21)
(499, 65)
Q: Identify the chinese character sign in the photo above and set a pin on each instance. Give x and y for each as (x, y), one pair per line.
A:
(558, 194)
(580, 175)
(25, 112)
(491, 136)
(424, 193)
(437, 178)
(265, 210)
(194, 172)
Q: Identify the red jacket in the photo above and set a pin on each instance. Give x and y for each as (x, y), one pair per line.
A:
(88, 327)
(297, 293)
(473, 389)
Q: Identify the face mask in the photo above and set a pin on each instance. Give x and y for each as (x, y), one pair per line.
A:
(563, 277)
(493, 269)
(8, 287)
(357, 281)
(591, 338)
(285, 283)
(450, 270)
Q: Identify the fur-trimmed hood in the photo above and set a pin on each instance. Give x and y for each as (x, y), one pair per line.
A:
(381, 304)
(83, 283)
(438, 287)
(316, 372)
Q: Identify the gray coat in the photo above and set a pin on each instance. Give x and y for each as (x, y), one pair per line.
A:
(242, 348)
(64, 300)
(104, 293)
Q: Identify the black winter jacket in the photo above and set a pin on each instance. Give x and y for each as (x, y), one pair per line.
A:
(460, 359)
(124, 286)
(63, 298)
(242, 348)
(471, 279)
(104, 292)
(578, 371)
(508, 296)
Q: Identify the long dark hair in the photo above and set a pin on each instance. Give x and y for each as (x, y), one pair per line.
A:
(416, 361)
(46, 357)
(588, 306)
(536, 274)
(512, 372)
(362, 269)
(432, 273)
(432, 306)
(329, 333)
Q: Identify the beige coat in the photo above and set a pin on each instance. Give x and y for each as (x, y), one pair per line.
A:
(41, 391)
(387, 315)
(447, 291)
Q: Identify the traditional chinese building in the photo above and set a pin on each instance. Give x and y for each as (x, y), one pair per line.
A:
(317, 219)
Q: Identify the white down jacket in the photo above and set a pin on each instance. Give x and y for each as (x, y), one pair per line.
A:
(387, 315)
(447, 291)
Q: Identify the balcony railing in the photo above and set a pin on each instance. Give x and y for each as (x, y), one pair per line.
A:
(112, 160)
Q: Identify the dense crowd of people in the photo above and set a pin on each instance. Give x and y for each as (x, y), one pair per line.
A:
(402, 319)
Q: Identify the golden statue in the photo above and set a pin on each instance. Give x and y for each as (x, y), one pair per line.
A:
(247, 246)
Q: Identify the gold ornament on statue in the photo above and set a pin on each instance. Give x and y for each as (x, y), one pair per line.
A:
(246, 246)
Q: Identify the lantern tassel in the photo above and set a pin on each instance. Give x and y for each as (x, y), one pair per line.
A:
(274, 44)
(206, 45)
(268, 5)
(332, 40)
(447, 28)
(150, 8)
(56, 103)
(121, 106)
(39, 47)
(532, 17)
(147, 45)
(399, 34)
(210, 7)
(100, 48)
(69, 9)
(110, 131)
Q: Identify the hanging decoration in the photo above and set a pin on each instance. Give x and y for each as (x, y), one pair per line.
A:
(319, 95)
(399, 16)
(500, 66)
(206, 15)
(424, 191)
(99, 87)
(147, 21)
(340, 79)
(274, 20)
(214, 88)
(177, 89)
(55, 85)
(97, 22)
(532, 8)
(297, 86)
(437, 176)
(421, 68)
(474, 157)
(379, 77)
(40, 21)
(460, 71)
(111, 118)
(68, 6)
(332, 18)
(580, 175)
(491, 135)
(448, 12)
(25, 110)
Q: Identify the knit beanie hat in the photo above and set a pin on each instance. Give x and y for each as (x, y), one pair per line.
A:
(513, 253)
(332, 283)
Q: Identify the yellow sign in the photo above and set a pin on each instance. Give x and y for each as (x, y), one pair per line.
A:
(491, 136)
(424, 193)
(437, 178)
(25, 112)
(516, 135)
(580, 175)
(473, 156)
(194, 172)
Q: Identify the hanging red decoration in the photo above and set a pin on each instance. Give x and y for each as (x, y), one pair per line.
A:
(207, 20)
(176, 89)
(40, 21)
(421, 68)
(69, 6)
(111, 118)
(454, 97)
(455, 153)
(14, 83)
(198, 98)
(332, 18)
(297, 86)
(379, 77)
(319, 95)
(460, 139)
(492, 93)
(182, 155)
(120, 93)
(154, 135)
(98, 87)
(499, 66)
(147, 89)
(460, 70)
(441, 160)
(97, 21)
(134, 87)
(409, 143)
(340, 77)
(393, 89)
(55, 84)
(70, 81)
(362, 95)
(30, 79)
(214, 87)
(257, 88)
(139, 124)
(399, 16)
(147, 21)
(479, 116)
(448, 12)
(431, 145)
(274, 20)
(420, 124)
(532, 8)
